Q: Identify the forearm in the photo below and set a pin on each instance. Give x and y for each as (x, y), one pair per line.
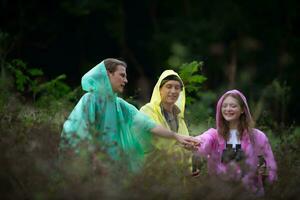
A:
(163, 132)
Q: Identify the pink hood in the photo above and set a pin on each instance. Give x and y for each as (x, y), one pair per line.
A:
(219, 105)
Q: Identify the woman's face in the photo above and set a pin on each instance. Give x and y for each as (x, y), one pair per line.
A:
(231, 109)
(170, 91)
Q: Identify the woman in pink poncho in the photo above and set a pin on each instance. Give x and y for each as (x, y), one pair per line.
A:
(236, 151)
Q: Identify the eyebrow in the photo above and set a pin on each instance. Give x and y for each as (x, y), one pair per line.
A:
(173, 84)
(230, 103)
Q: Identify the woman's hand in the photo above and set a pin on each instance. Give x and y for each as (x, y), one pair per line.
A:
(188, 142)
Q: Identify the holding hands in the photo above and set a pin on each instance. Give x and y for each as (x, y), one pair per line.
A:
(189, 143)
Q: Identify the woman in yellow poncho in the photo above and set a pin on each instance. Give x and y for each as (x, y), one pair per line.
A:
(166, 108)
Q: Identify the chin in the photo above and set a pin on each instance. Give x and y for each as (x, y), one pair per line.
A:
(171, 102)
(231, 120)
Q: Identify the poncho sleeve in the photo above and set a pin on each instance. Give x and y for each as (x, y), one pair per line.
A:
(265, 149)
(139, 123)
(207, 142)
(80, 123)
(149, 110)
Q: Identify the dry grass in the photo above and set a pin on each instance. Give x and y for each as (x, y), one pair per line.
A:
(30, 168)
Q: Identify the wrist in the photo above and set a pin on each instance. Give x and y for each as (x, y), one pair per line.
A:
(174, 135)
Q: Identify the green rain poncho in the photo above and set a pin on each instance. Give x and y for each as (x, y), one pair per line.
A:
(104, 121)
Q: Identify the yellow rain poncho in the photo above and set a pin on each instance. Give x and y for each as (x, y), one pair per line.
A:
(102, 121)
(153, 110)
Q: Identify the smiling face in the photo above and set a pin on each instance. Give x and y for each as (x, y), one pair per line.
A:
(231, 111)
(118, 79)
(170, 91)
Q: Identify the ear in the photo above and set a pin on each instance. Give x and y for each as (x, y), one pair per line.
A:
(109, 74)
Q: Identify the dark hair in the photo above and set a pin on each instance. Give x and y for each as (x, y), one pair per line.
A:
(246, 123)
(112, 63)
(170, 78)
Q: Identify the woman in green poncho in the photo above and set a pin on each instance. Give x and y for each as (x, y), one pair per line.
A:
(103, 121)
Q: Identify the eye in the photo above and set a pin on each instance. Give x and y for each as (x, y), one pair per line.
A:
(123, 75)
(168, 86)
(177, 87)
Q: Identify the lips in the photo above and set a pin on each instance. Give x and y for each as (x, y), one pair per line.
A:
(172, 98)
(229, 114)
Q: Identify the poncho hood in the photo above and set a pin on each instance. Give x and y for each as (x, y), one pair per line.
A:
(97, 80)
(156, 98)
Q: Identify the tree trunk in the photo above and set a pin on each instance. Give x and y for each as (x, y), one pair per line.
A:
(232, 66)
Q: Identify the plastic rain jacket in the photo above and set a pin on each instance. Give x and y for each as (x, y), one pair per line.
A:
(153, 110)
(253, 144)
(104, 121)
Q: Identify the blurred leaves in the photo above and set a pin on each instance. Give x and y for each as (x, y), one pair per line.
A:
(30, 80)
(192, 79)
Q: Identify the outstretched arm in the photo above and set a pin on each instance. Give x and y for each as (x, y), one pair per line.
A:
(163, 132)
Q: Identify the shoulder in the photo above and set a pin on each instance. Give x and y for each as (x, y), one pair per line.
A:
(123, 102)
(211, 131)
(147, 108)
(209, 134)
(259, 135)
(87, 99)
(88, 95)
(126, 106)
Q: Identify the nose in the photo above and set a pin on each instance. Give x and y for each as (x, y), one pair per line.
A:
(173, 90)
(226, 108)
(125, 80)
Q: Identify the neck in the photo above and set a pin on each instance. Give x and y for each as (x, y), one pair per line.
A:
(168, 107)
(233, 125)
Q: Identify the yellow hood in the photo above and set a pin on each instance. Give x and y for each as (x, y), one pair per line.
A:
(156, 98)
(153, 110)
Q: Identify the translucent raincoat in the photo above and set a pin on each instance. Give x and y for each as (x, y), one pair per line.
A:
(153, 110)
(253, 144)
(106, 122)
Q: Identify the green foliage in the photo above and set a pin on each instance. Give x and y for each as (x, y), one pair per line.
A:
(52, 100)
(29, 80)
(179, 54)
(201, 114)
(272, 105)
(4, 38)
(196, 99)
(189, 73)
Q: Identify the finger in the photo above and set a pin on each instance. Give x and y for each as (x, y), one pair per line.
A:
(194, 140)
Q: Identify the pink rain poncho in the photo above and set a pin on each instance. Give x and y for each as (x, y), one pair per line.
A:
(101, 121)
(253, 144)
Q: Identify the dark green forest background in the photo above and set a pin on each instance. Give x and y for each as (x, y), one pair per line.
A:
(46, 46)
